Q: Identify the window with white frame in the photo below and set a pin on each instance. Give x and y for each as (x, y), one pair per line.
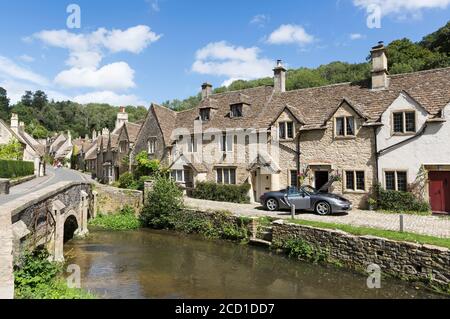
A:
(152, 146)
(226, 176)
(227, 143)
(404, 122)
(355, 181)
(345, 126)
(396, 181)
(192, 147)
(286, 130)
(178, 175)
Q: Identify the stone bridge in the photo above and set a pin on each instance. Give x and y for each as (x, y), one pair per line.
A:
(45, 218)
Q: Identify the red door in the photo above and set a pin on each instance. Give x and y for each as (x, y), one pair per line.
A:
(440, 191)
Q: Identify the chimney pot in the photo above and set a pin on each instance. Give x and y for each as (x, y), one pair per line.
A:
(279, 77)
(206, 90)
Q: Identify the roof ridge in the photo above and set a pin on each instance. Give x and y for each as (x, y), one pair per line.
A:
(419, 72)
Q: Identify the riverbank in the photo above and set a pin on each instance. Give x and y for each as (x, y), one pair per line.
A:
(154, 264)
(422, 264)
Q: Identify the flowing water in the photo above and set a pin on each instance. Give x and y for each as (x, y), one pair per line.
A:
(159, 264)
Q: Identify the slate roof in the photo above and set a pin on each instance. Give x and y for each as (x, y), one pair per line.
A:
(133, 131)
(312, 106)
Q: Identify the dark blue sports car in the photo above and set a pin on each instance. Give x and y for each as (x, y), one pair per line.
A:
(306, 198)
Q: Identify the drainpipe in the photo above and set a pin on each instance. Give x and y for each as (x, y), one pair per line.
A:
(298, 159)
(377, 156)
(418, 134)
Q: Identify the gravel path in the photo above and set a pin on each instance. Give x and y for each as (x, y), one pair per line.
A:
(425, 225)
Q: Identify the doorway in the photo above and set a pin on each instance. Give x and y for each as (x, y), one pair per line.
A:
(320, 179)
(439, 189)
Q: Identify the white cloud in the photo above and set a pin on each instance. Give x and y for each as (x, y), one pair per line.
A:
(154, 5)
(356, 36)
(113, 76)
(108, 97)
(26, 58)
(260, 20)
(223, 59)
(84, 59)
(400, 6)
(134, 39)
(290, 34)
(10, 70)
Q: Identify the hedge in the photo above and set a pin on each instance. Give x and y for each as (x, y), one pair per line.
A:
(222, 193)
(400, 201)
(14, 169)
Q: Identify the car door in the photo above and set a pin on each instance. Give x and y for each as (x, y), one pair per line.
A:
(299, 198)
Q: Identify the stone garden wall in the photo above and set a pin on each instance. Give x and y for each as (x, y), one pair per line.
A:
(404, 260)
(111, 200)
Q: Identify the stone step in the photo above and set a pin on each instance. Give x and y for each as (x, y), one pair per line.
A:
(260, 242)
(265, 236)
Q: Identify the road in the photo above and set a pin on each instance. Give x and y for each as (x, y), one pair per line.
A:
(54, 176)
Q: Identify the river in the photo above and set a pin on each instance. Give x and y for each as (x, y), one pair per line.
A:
(160, 264)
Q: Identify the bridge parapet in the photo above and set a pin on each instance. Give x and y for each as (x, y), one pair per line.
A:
(46, 217)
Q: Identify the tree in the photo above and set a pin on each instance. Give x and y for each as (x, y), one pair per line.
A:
(163, 202)
(438, 41)
(27, 99)
(145, 166)
(11, 151)
(39, 100)
(4, 105)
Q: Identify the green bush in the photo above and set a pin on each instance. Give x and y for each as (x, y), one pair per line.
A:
(126, 180)
(164, 200)
(222, 193)
(14, 169)
(125, 220)
(300, 249)
(38, 278)
(400, 201)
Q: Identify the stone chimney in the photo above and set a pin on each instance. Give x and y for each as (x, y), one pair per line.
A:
(122, 118)
(15, 123)
(105, 132)
(94, 135)
(380, 79)
(206, 90)
(21, 127)
(279, 77)
(69, 137)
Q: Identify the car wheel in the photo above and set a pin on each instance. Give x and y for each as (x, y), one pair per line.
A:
(272, 204)
(323, 208)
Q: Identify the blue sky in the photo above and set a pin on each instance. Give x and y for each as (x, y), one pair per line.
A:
(139, 51)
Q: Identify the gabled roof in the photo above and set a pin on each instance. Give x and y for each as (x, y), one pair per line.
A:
(166, 119)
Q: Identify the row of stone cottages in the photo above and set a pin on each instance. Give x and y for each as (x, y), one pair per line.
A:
(391, 129)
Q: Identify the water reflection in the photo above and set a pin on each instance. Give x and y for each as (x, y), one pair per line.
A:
(153, 264)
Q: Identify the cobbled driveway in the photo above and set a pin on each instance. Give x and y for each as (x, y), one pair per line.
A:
(426, 225)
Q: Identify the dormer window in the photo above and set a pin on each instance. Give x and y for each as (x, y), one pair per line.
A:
(205, 114)
(236, 111)
(404, 122)
(345, 126)
(286, 130)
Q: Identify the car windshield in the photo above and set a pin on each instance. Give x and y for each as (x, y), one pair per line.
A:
(308, 189)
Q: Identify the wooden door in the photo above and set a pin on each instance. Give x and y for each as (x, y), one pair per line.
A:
(439, 191)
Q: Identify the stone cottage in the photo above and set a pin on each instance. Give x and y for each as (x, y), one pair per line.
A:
(272, 138)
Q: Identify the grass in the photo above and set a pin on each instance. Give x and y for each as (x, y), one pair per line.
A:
(389, 234)
(124, 220)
